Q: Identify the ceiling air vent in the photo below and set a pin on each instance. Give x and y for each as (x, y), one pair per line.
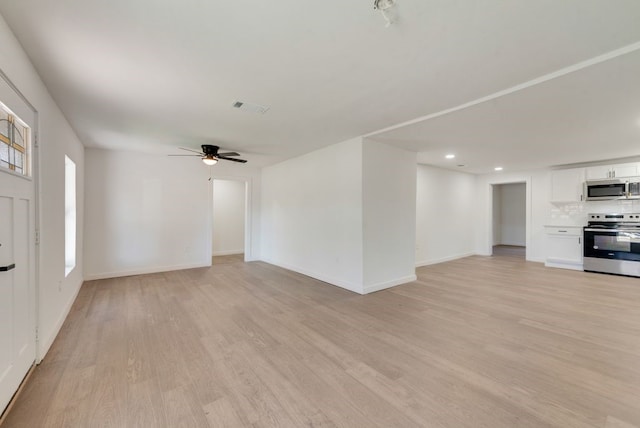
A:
(250, 108)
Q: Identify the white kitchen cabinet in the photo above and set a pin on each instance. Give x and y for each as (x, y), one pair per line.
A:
(564, 247)
(612, 171)
(567, 185)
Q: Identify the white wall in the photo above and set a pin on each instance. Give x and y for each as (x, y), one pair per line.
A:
(445, 228)
(151, 213)
(389, 215)
(55, 292)
(497, 211)
(228, 217)
(512, 214)
(312, 214)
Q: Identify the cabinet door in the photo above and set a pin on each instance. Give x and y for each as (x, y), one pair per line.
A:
(598, 172)
(564, 249)
(625, 170)
(567, 184)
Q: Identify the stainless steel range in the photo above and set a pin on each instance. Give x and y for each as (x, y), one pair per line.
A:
(612, 244)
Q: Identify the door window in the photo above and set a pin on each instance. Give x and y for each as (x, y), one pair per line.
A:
(14, 142)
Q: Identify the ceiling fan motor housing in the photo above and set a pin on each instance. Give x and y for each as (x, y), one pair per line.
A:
(209, 150)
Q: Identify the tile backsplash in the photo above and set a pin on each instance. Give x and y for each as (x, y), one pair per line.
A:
(575, 214)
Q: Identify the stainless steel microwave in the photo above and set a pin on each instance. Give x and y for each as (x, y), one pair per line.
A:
(610, 189)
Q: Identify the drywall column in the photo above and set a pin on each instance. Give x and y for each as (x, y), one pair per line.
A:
(344, 214)
(312, 214)
(389, 215)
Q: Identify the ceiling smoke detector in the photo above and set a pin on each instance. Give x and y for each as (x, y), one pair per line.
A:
(384, 6)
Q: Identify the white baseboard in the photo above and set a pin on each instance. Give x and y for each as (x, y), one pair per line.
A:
(563, 264)
(356, 288)
(443, 259)
(228, 252)
(388, 284)
(44, 343)
(143, 271)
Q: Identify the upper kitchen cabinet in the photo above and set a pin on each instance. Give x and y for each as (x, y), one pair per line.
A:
(567, 185)
(612, 171)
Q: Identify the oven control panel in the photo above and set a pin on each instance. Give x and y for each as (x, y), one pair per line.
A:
(615, 218)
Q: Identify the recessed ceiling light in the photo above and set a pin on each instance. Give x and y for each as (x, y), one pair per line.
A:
(498, 168)
(450, 156)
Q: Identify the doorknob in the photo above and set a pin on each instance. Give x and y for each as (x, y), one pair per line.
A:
(7, 268)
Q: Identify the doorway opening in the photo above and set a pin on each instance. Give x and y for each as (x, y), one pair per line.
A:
(509, 219)
(229, 223)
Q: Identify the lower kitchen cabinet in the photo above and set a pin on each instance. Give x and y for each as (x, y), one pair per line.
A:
(564, 247)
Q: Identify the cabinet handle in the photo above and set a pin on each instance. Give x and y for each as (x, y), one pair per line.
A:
(562, 231)
(7, 268)
(579, 241)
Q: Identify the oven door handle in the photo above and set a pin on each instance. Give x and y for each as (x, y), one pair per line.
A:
(612, 230)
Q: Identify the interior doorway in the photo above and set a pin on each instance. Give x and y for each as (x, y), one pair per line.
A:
(229, 220)
(509, 219)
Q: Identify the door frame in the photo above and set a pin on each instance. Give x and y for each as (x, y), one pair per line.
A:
(248, 220)
(35, 176)
(488, 244)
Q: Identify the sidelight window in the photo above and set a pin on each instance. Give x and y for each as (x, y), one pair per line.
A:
(69, 215)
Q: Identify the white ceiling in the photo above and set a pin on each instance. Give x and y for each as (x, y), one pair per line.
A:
(136, 74)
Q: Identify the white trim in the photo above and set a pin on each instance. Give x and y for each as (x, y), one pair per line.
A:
(487, 248)
(16, 174)
(248, 218)
(444, 259)
(347, 285)
(227, 253)
(44, 344)
(542, 79)
(388, 284)
(563, 264)
(144, 271)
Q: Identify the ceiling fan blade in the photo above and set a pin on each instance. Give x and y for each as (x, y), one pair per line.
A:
(231, 159)
(229, 154)
(187, 155)
(191, 150)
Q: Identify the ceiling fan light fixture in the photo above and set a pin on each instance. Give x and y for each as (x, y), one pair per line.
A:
(210, 160)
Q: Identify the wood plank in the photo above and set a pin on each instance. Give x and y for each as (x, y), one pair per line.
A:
(481, 341)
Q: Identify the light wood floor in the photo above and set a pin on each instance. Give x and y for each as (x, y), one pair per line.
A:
(479, 342)
(510, 251)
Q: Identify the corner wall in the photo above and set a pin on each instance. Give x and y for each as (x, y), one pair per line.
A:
(56, 293)
(344, 214)
(312, 214)
(389, 216)
(446, 208)
(152, 213)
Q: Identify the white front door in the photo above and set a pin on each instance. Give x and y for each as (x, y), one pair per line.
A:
(17, 260)
(17, 284)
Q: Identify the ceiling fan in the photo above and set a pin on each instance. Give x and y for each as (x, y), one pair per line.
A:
(210, 154)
